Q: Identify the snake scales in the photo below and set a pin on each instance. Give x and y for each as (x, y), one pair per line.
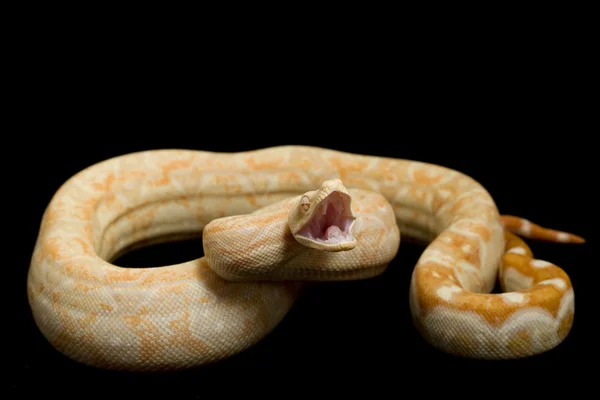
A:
(271, 218)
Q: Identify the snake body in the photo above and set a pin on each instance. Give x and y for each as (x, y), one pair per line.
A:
(270, 219)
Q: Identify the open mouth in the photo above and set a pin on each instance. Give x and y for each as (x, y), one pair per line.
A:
(331, 221)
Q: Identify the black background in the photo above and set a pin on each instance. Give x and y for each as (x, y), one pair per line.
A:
(511, 115)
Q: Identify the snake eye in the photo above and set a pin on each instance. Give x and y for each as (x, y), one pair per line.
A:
(305, 203)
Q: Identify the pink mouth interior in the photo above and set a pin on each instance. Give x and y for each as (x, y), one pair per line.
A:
(331, 221)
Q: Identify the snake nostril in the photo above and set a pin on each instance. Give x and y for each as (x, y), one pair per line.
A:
(154, 255)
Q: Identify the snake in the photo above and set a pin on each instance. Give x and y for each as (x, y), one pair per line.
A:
(270, 220)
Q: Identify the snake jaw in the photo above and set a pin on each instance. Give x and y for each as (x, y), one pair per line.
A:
(328, 225)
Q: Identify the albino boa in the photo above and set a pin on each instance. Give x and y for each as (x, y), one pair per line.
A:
(205, 310)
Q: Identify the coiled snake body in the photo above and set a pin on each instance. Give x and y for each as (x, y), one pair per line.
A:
(271, 218)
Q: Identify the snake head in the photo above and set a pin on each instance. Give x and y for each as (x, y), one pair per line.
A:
(323, 219)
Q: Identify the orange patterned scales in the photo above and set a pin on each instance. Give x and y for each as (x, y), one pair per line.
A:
(270, 219)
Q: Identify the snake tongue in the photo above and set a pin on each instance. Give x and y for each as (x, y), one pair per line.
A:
(333, 232)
